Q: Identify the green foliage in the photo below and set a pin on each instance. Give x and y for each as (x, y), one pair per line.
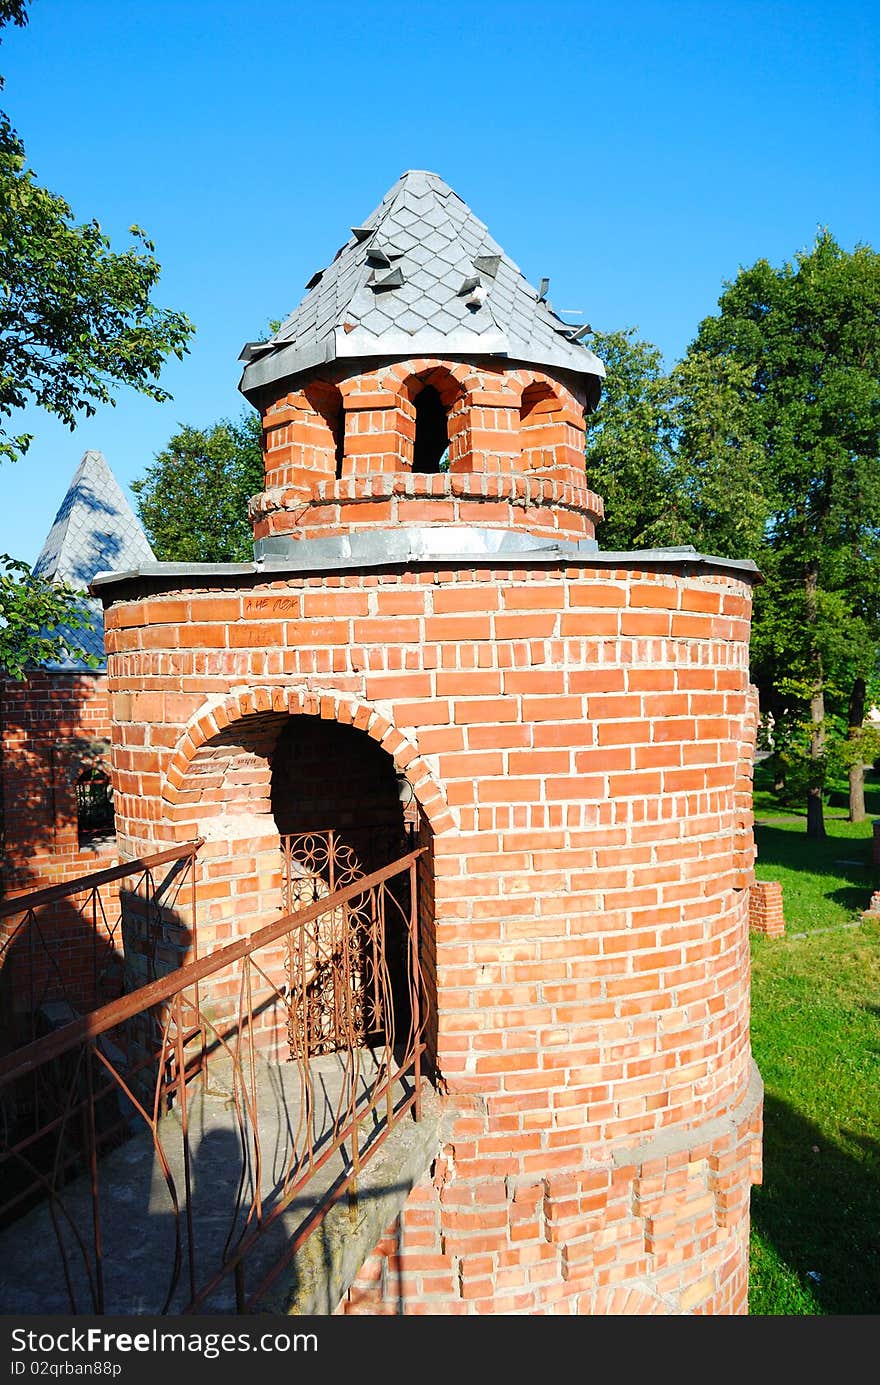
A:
(717, 456)
(38, 620)
(193, 499)
(76, 318)
(764, 443)
(629, 445)
(76, 321)
(672, 453)
(808, 334)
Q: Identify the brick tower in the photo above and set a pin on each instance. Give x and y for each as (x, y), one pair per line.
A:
(428, 599)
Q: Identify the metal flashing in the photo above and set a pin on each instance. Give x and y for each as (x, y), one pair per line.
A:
(394, 280)
(452, 546)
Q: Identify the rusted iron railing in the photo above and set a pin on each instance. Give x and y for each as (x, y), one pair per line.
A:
(250, 1158)
(61, 947)
(317, 863)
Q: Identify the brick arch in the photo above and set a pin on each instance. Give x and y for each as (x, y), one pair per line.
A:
(214, 718)
(544, 424)
(453, 380)
(453, 385)
(620, 1301)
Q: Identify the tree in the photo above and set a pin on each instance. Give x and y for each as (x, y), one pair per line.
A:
(715, 471)
(673, 453)
(193, 499)
(76, 318)
(38, 620)
(77, 321)
(809, 333)
(629, 444)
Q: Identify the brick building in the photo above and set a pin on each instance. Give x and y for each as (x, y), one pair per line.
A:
(429, 614)
(56, 810)
(56, 804)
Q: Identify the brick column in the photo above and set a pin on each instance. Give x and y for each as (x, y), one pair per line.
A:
(765, 909)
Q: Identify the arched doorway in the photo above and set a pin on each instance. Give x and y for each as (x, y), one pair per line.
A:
(342, 813)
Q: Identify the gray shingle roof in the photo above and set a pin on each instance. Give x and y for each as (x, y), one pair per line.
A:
(95, 530)
(403, 285)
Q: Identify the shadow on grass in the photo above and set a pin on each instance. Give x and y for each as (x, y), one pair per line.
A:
(836, 798)
(839, 799)
(852, 899)
(835, 855)
(821, 1211)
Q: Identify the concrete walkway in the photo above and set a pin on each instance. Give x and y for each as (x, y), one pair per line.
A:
(139, 1229)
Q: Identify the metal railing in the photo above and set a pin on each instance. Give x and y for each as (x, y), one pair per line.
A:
(294, 1121)
(315, 864)
(62, 946)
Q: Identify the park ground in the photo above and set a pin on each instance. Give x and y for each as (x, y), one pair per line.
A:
(815, 1248)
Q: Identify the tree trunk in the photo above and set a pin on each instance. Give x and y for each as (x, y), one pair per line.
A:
(815, 807)
(857, 768)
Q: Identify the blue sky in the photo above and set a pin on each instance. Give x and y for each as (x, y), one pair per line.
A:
(637, 154)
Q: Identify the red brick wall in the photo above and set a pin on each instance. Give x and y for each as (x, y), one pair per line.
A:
(664, 1234)
(578, 739)
(47, 722)
(49, 725)
(765, 908)
(516, 445)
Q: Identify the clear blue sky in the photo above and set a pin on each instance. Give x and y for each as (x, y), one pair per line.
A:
(636, 153)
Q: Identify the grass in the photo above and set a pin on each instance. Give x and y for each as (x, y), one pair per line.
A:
(815, 1246)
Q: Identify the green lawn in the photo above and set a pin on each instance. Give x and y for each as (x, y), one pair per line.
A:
(816, 1039)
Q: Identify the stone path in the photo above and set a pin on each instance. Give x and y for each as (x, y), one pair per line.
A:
(139, 1229)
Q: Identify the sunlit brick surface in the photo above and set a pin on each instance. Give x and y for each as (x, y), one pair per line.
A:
(765, 908)
(580, 739)
(339, 456)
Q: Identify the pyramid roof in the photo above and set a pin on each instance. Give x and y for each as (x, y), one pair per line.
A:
(421, 276)
(95, 530)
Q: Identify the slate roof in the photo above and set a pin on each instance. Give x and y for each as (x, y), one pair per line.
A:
(421, 276)
(95, 530)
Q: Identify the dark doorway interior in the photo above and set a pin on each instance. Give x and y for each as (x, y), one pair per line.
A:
(337, 804)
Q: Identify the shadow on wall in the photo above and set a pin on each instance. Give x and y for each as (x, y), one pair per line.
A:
(53, 960)
(819, 1209)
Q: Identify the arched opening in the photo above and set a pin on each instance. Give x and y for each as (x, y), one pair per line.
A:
(343, 812)
(431, 445)
(295, 807)
(94, 807)
(325, 432)
(542, 431)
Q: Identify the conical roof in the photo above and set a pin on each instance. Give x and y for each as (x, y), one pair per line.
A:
(421, 276)
(95, 530)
